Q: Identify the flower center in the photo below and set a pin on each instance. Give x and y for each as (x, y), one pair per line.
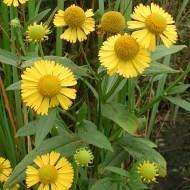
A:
(37, 32)
(156, 23)
(148, 171)
(113, 22)
(126, 47)
(47, 174)
(74, 16)
(49, 86)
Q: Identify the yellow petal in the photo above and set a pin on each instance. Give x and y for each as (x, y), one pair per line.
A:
(64, 101)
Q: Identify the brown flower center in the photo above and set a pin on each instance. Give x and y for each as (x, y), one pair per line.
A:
(126, 47)
(49, 86)
(74, 16)
(156, 23)
(47, 174)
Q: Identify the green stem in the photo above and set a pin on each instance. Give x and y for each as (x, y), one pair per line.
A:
(76, 178)
(158, 97)
(20, 40)
(31, 15)
(59, 42)
(164, 93)
(41, 50)
(86, 60)
(131, 94)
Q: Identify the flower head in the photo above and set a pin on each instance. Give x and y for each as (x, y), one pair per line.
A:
(15, 3)
(15, 23)
(148, 171)
(5, 169)
(152, 21)
(79, 23)
(47, 84)
(52, 172)
(113, 22)
(83, 157)
(37, 32)
(122, 54)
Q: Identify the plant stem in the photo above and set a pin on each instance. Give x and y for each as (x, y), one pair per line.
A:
(76, 178)
(131, 94)
(31, 15)
(7, 105)
(59, 42)
(41, 50)
(164, 92)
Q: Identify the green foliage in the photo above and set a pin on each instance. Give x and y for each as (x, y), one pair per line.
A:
(119, 114)
(88, 132)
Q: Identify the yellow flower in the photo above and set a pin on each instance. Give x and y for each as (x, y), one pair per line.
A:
(148, 171)
(5, 169)
(83, 157)
(113, 22)
(53, 172)
(47, 84)
(122, 54)
(79, 23)
(15, 187)
(15, 3)
(37, 32)
(152, 21)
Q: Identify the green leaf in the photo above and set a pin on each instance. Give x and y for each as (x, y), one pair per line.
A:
(114, 158)
(29, 129)
(82, 113)
(14, 86)
(88, 132)
(104, 183)
(117, 170)
(143, 149)
(118, 113)
(162, 51)
(8, 58)
(45, 125)
(108, 83)
(158, 68)
(78, 70)
(48, 145)
(39, 17)
(180, 102)
(178, 89)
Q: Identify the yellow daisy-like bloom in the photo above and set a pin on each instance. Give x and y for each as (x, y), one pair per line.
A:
(5, 169)
(37, 32)
(15, 187)
(83, 157)
(79, 23)
(54, 172)
(15, 3)
(47, 84)
(153, 21)
(122, 54)
(148, 171)
(113, 22)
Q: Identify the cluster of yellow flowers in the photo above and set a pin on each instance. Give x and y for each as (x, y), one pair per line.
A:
(47, 84)
(50, 171)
